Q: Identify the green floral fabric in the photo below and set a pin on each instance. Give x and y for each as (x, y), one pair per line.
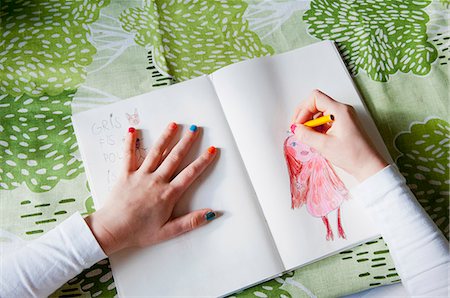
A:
(371, 35)
(45, 46)
(38, 141)
(194, 39)
(426, 166)
(61, 57)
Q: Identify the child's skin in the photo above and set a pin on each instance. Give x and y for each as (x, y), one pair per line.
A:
(344, 144)
(138, 211)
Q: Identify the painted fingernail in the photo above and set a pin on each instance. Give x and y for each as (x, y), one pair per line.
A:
(293, 127)
(173, 125)
(210, 216)
(212, 150)
(131, 129)
(193, 128)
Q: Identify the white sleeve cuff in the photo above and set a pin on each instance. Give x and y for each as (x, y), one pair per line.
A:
(79, 238)
(419, 250)
(45, 264)
(378, 185)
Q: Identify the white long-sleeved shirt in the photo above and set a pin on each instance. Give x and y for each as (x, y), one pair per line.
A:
(418, 248)
(45, 264)
(420, 251)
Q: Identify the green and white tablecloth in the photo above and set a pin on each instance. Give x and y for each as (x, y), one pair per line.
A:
(59, 57)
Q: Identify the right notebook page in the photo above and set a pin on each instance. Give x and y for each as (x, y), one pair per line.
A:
(259, 98)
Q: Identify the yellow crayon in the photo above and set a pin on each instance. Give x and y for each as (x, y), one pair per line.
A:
(319, 121)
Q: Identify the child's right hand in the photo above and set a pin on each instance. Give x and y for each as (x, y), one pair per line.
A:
(345, 144)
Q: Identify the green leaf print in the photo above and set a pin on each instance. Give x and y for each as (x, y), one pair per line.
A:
(159, 79)
(88, 203)
(195, 38)
(98, 281)
(378, 36)
(44, 45)
(425, 164)
(270, 288)
(442, 43)
(445, 3)
(37, 141)
(372, 262)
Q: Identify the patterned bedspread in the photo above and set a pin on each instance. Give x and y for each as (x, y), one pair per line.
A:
(60, 57)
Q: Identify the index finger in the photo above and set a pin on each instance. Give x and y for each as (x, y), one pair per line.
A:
(317, 102)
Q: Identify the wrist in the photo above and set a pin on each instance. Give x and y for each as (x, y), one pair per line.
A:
(370, 168)
(102, 234)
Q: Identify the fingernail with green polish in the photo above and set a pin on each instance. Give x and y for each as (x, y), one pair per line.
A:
(210, 216)
(193, 128)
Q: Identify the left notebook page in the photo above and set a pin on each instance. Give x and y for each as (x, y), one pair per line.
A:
(229, 253)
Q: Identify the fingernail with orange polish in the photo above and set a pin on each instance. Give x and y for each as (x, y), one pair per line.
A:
(131, 129)
(212, 150)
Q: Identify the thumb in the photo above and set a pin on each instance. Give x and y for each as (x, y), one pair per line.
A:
(310, 137)
(186, 223)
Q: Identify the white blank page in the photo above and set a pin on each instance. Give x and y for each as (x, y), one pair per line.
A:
(227, 254)
(259, 97)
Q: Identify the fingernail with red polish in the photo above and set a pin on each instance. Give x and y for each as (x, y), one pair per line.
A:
(131, 129)
(212, 150)
(173, 125)
(293, 127)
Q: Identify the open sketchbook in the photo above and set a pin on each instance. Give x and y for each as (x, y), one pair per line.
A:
(245, 110)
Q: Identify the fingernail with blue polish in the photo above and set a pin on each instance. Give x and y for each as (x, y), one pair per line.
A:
(193, 128)
(210, 216)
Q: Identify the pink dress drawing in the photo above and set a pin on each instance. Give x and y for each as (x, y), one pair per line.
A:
(314, 183)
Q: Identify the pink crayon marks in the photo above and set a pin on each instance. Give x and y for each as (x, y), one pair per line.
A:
(313, 182)
(133, 119)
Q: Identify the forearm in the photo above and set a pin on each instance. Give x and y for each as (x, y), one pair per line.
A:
(420, 251)
(45, 264)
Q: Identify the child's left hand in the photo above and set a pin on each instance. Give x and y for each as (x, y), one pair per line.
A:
(138, 211)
